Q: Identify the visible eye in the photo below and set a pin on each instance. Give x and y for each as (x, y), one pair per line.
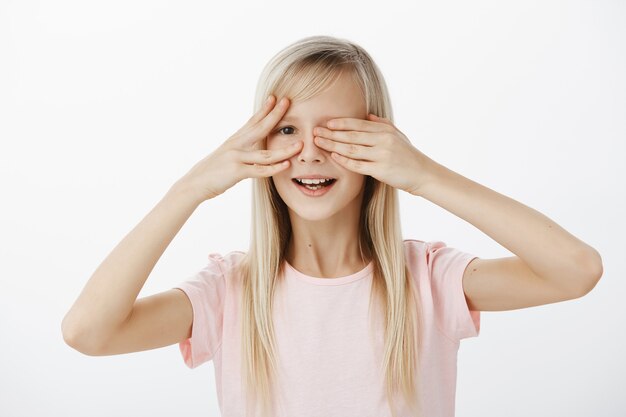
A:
(279, 130)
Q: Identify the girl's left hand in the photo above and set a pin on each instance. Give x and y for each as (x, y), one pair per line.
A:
(375, 147)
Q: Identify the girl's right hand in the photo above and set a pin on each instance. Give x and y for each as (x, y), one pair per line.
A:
(240, 156)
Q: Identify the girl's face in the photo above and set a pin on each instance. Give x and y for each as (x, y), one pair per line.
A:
(342, 99)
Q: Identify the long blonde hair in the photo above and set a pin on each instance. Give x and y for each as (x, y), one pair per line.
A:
(300, 71)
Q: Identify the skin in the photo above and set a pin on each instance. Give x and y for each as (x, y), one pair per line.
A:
(549, 263)
(325, 229)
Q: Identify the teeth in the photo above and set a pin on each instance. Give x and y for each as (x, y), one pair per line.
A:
(312, 181)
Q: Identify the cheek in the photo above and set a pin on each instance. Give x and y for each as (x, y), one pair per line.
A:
(282, 182)
(279, 141)
(282, 179)
(357, 181)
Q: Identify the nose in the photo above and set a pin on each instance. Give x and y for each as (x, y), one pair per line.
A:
(310, 151)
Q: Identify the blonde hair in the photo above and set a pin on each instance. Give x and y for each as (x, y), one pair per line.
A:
(300, 71)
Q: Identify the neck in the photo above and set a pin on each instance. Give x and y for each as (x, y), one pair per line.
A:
(327, 248)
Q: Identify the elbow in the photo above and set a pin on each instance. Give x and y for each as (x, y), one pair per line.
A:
(592, 265)
(78, 340)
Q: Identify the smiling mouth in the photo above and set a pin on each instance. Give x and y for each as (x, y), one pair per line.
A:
(314, 187)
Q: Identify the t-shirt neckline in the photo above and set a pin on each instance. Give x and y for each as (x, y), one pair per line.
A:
(331, 281)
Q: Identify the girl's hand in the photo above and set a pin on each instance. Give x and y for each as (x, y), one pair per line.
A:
(240, 156)
(377, 148)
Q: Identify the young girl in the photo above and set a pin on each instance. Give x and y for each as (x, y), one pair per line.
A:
(330, 312)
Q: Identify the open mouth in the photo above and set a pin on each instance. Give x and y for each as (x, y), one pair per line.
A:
(314, 184)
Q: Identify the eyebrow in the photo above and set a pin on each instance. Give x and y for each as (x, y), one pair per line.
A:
(295, 118)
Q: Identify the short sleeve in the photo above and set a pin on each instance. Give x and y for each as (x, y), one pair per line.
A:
(206, 291)
(446, 267)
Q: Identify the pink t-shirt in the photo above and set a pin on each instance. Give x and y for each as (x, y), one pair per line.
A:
(329, 365)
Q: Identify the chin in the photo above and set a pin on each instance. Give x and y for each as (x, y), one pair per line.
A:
(310, 215)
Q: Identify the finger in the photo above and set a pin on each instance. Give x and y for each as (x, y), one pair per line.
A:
(349, 136)
(380, 119)
(361, 167)
(259, 171)
(348, 149)
(262, 112)
(264, 126)
(265, 156)
(348, 123)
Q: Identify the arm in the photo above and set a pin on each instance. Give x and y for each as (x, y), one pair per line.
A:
(106, 318)
(551, 264)
(108, 298)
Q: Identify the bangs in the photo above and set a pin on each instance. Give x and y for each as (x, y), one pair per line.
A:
(310, 77)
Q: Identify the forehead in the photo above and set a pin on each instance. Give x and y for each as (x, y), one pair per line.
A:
(342, 98)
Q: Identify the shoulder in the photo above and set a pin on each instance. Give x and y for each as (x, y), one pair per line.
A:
(228, 261)
(415, 248)
(439, 269)
(421, 244)
(434, 258)
(228, 265)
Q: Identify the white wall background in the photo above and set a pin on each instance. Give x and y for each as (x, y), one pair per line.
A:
(103, 105)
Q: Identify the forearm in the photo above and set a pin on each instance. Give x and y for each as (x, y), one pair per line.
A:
(109, 295)
(548, 249)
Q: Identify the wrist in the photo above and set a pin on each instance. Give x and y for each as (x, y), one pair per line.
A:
(438, 176)
(429, 174)
(182, 190)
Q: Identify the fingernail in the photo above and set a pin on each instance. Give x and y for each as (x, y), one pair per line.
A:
(269, 98)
